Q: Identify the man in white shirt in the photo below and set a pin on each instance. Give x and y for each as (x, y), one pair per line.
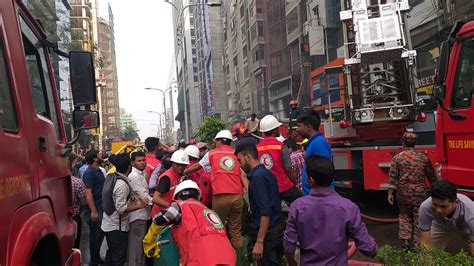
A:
(139, 219)
(115, 226)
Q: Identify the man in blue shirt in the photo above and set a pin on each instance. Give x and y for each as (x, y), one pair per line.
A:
(265, 221)
(308, 127)
(94, 181)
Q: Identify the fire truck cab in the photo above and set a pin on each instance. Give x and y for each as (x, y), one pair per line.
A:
(35, 185)
(455, 115)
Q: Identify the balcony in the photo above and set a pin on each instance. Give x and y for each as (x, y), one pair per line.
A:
(291, 5)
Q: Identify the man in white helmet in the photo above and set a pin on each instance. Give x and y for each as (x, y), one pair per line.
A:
(227, 188)
(275, 156)
(168, 181)
(201, 177)
(198, 232)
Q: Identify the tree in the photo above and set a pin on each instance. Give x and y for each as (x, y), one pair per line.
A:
(209, 128)
(129, 133)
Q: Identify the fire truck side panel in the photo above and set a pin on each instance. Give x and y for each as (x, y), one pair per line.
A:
(369, 166)
(455, 136)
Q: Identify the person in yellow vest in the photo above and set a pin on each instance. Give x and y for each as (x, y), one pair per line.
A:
(227, 184)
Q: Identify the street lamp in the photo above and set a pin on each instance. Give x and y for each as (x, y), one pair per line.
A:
(160, 125)
(163, 93)
(180, 27)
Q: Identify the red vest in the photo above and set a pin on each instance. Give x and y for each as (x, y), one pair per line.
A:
(270, 154)
(225, 174)
(168, 196)
(203, 180)
(201, 237)
(151, 163)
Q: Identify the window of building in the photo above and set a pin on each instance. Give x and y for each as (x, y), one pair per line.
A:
(253, 32)
(316, 11)
(242, 11)
(252, 9)
(260, 28)
(244, 52)
(259, 11)
(236, 61)
(246, 72)
(40, 81)
(243, 31)
(292, 21)
(414, 3)
(8, 119)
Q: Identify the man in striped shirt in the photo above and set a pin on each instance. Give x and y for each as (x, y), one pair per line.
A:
(297, 160)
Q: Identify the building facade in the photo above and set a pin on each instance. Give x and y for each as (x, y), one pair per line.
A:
(107, 81)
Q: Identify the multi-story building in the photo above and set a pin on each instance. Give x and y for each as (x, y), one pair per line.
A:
(186, 67)
(126, 120)
(241, 96)
(82, 20)
(256, 53)
(209, 50)
(281, 82)
(107, 81)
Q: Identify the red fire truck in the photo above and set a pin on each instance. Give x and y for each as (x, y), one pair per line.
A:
(455, 116)
(368, 98)
(35, 186)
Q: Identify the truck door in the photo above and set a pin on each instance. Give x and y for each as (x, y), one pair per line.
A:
(16, 171)
(459, 127)
(53, 171)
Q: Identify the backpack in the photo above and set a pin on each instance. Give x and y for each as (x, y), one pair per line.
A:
(108, 192)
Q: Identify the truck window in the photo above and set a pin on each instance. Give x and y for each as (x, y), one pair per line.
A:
(464, 80)
(8, 119)
(40, 82)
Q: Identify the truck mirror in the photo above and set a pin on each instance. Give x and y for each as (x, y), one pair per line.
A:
(442, 63)
(85, 119)
(440, 92)
(82, 78)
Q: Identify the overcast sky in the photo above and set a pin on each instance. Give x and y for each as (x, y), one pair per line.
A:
(144, 51)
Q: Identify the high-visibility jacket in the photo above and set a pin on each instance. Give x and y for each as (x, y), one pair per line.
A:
(225, 174)
(151, 163)
(201, 237)
(167, 196)
(203, 180)
(270, 155)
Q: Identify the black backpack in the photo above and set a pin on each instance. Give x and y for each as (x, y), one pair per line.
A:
(108, 192)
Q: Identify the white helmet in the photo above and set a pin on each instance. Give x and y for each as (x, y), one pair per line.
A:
(224, 134)
(192, 151)
(180, 157)
(186, 184)
(269, 122)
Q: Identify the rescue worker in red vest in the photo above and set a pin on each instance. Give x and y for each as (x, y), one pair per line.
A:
(226, 183)
(275, 156)
(198, 232)
(168, 181)
(152, 145)
(201, 178)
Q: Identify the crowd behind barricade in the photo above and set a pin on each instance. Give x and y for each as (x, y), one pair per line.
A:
(222, 201)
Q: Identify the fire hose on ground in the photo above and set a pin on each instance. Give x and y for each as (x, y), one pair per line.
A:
(379, 220)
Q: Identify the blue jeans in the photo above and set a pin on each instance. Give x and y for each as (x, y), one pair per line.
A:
(96, 236)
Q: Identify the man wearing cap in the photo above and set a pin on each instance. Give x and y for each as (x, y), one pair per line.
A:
(198, 232)
(168, 181)
(226, 186)
(275, 156)
(243, 136)
(408, 173)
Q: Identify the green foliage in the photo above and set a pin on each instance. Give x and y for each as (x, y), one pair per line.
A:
(209, 128)
(129, 133)
(435, 257)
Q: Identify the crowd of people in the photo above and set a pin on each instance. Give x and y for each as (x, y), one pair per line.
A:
(205, 191)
